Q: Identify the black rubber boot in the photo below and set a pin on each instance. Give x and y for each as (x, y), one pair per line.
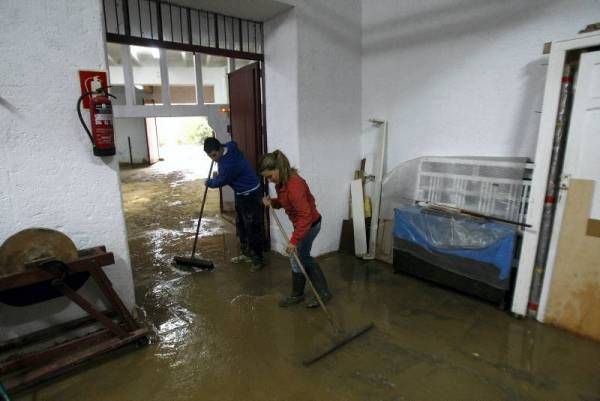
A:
(318, 279)
(297, 296)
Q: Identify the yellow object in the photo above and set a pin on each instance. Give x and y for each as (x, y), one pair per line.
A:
(368, 207)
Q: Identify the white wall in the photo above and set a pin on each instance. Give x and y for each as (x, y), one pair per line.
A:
(461, 77)
(134, 128)
(48, 174)
(281, 76)
(312, 56)
(217, 76)
(329, 89)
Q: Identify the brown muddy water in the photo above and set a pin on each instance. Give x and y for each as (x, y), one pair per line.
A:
(221, 336)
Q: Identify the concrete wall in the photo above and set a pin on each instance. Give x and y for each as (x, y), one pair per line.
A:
(134, 128)
(461, 77)
(312, 56)
(48, 174)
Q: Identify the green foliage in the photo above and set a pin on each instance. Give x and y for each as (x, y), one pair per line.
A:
(194, 131)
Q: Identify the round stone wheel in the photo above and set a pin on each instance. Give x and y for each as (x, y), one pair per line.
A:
(33, 244)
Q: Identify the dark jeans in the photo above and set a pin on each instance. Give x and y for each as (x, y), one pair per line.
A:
(249, 222)
(303, 249)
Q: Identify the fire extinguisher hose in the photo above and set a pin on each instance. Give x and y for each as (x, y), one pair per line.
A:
(85, 127)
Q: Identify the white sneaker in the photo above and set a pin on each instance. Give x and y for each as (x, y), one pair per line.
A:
(241, 259)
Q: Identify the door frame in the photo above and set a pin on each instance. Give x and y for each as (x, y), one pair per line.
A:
(572, 147)
(543, 154)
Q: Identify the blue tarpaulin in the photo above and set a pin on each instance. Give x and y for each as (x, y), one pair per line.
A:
(481, 240)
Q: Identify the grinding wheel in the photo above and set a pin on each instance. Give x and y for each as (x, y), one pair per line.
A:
(32, 244)
(28, 246)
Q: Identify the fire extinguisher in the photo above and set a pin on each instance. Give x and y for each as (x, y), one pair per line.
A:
(102, 135)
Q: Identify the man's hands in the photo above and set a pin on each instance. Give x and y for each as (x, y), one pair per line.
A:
(266, 201)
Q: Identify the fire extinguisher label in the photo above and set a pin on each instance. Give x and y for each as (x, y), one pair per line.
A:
(103, 118)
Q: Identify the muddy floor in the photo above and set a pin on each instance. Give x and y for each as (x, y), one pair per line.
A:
(221, 336)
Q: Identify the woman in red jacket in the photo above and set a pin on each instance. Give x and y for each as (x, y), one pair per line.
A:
(293, 195)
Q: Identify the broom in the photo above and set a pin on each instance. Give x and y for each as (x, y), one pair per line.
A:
(192, 261)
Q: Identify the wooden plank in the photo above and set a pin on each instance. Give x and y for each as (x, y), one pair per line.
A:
(68, 362)
(33, 359)
(112, 296)
(89, 308)
(376, 194)
(574, 293)
(358, 217)
(385, 241)
(49, 332)
(593, 228)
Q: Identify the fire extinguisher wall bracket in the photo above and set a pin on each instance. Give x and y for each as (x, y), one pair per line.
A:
(102, 133)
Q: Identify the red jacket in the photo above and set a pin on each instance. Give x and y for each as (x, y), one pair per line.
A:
(299, 204)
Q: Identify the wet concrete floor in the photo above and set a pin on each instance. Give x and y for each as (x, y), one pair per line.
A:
(221, 336)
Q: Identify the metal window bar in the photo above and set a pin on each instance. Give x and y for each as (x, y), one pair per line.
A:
(157, 23)
(151, 20)
(189, 25)
(126, 17)
(139, 10)
(117, 16)
(225, 32)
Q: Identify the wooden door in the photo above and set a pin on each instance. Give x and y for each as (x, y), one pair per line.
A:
(246, 111)
(246, 119)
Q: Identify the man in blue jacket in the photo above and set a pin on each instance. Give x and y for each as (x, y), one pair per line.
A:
(236, 171)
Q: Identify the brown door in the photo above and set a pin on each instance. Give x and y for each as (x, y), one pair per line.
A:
(246, 118)
(246, 111)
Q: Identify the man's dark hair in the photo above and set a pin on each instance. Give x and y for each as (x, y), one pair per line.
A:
(211, 144)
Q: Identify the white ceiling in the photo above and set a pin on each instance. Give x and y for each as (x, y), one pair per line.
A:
(256, 10)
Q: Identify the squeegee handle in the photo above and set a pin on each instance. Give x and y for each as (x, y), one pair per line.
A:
(312, 287)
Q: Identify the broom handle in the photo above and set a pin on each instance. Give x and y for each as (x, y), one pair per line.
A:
(202, 209)
(312, 287)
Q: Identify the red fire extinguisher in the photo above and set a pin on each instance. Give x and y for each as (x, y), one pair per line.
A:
(102, 135)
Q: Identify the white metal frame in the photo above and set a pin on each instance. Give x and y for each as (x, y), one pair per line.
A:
(130, 109)
(516, 201)
(543, 153)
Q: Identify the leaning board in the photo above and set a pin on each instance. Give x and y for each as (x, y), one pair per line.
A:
(358, 218)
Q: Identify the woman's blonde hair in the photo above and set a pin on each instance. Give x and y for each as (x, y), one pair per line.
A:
(276, 160)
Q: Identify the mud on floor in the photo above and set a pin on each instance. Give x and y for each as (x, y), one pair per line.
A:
(221, 336)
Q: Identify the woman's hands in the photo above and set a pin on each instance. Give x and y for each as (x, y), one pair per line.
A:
(291, 249)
